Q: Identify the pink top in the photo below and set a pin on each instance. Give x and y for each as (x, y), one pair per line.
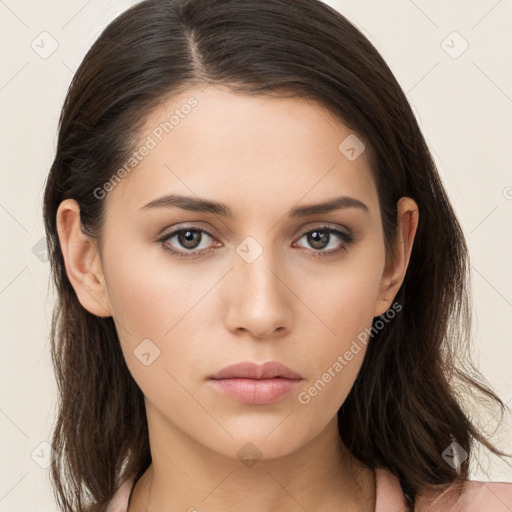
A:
(477, 497)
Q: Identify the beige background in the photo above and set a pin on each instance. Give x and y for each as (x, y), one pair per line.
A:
(463, 104)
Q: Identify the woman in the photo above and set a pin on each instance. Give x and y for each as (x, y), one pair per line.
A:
(261, 281)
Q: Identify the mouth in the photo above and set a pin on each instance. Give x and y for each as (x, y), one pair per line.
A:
(255, 384)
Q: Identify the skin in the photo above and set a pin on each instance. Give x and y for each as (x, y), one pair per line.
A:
(261, 156)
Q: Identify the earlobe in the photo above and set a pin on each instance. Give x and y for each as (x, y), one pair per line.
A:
(82, 260)
(394, 273)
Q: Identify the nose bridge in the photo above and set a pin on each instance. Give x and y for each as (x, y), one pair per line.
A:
(260, 299)
(258, 267)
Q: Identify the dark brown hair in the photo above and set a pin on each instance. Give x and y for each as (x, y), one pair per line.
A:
(405, 407)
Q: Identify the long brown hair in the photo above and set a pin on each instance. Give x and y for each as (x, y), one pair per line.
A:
(405, 407)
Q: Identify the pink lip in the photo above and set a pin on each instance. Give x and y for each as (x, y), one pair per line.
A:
(256, 384)
(248, 370)
(255, 391)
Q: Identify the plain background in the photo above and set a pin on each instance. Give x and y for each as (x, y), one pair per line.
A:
(463, 103)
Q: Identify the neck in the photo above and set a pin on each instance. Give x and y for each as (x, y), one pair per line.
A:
(321, 475)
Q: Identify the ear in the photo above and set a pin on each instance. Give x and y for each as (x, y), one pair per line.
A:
(394, 272)
(82, 260)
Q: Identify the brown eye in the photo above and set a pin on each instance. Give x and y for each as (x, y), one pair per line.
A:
(320, 238)
(189, 238)
(188, 241)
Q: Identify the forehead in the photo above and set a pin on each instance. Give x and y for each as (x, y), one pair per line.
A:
(246, 151)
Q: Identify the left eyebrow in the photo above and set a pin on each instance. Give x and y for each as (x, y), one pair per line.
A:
(338, 203)
(221, 209)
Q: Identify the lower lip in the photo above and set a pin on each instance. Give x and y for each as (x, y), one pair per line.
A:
(255, 391)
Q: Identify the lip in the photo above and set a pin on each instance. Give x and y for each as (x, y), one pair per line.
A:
(249, 370)
(256, 384)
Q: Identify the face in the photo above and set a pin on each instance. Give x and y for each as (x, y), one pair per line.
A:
(259, 278)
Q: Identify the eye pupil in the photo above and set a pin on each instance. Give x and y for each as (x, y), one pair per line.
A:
(317, 239)
(186, 238)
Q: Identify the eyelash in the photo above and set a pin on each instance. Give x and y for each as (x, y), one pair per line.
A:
(348, 240)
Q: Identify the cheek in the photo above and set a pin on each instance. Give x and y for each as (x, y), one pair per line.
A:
(344, 296)
(149, 293)
(339, 355)
(159, 309)
(343, 303)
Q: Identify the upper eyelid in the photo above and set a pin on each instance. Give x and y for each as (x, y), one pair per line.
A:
(324, 226)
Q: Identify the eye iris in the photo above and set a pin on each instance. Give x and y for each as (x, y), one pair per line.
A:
(186, 238)
(317, 237)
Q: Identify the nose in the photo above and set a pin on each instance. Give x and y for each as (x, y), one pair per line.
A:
(259, 299)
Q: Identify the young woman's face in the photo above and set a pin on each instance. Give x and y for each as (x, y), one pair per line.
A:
(260, 284)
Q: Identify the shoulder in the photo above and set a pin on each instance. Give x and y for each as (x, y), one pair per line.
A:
(389, 495)
(475, 497)
(119, 502)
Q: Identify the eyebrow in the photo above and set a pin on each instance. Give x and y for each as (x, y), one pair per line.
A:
(221, 209)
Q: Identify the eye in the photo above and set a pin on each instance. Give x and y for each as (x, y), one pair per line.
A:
(188, 238)
(321, 237)
(188, 241)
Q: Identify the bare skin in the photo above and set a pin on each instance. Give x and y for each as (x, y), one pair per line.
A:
(262, 157)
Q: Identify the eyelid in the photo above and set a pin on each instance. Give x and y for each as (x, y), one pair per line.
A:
(347, 238)
(325, 225)
(192, 225)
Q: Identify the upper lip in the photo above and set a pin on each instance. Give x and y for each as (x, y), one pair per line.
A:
(249, 370)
